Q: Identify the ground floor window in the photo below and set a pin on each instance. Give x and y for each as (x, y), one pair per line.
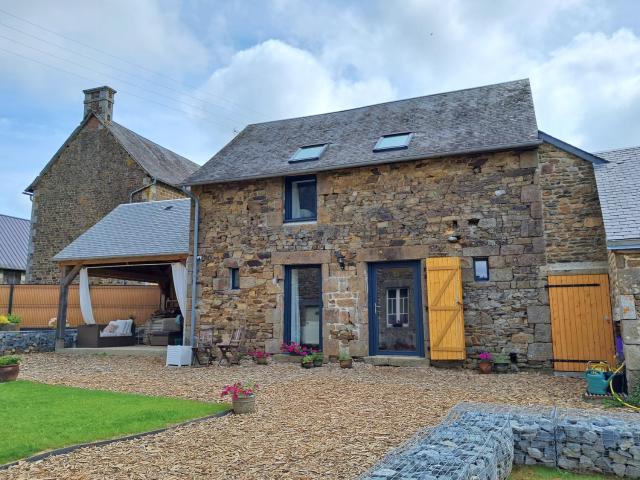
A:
(303, 305)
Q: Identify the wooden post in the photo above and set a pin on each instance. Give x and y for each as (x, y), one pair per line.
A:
(68, 274)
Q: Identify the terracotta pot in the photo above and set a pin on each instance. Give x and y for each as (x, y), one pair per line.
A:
(307, 364)
(244, 405)
(9, 373)
(484, 366)
(346, 363)
(262, 361)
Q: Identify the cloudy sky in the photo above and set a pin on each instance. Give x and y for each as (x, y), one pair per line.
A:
(190, 75)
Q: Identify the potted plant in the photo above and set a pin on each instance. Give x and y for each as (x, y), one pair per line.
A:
(501, 363)
(485, 362)
(345, 360)
(243, 396)
(294, 349)
(7, 325)
(318, 359)
(9, 368)
(261, 358)
(307, 361)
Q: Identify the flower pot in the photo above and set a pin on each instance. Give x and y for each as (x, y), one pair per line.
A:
(317, 362)
(484, 367)
(307, 364)
(346, 363)
(243, 405)
(9, 373)
(262, 361)
(501, 367)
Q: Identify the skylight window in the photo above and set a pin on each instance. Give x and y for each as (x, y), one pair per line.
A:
(311, 152)
(395, 141)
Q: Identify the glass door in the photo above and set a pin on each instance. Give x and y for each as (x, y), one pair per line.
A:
(303, 305)
(395, 309)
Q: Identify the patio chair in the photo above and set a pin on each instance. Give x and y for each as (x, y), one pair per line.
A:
(203, 349)
(230, 349)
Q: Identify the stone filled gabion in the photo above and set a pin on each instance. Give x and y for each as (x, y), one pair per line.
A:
(25, 341)
(471, 446)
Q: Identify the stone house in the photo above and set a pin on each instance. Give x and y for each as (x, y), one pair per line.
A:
(14, 244)
(430, 227)
(619, 190)
(100, 166)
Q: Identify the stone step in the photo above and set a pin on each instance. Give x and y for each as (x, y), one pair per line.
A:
(397, 361)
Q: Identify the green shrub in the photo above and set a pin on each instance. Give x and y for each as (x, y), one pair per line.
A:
(344, 356)
(307, 359)
(9, 360)
(13, 318)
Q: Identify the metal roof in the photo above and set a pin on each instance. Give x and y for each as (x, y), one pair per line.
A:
(135, 230)
(489, 118)
(159, 162)
(619, 191)
(14, 242)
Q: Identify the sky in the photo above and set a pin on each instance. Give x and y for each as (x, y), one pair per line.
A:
(191, 75)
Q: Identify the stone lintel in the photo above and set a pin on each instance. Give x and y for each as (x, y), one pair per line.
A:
(575, 268)
(408, 252)
(311, 257)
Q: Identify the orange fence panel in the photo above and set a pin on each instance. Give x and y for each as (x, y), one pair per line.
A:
(37, 304)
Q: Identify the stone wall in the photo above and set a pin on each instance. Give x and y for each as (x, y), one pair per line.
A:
(29, 341)
(91, 177)
(573, 227)
(391, 212)
(625, 293)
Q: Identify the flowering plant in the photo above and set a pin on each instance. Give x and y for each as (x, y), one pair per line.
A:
(486, 356)
(259, 354)
(240, 390)
(295, 349)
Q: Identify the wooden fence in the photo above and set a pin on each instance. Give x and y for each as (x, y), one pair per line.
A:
(37, 304)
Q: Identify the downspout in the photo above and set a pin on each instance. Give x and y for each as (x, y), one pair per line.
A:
(194, 269)
(137, 190)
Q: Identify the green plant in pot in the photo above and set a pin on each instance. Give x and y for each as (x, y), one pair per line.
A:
(9, 323)
(501, 363)
(345, 360)
(9, 368)
(318, 359)
(307, 361)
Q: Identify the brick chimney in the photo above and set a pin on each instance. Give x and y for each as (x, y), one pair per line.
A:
(99, 101)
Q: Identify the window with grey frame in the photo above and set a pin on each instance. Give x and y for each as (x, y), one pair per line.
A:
(398, 307)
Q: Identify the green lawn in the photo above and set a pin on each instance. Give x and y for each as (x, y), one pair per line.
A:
(36, 417)
(543, 473)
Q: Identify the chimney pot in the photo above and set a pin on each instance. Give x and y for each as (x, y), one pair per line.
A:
(99, 101)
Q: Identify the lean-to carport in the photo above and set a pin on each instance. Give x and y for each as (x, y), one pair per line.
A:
(144, 242)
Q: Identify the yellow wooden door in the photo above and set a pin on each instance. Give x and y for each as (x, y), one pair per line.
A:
(581, 327)
(446, 319)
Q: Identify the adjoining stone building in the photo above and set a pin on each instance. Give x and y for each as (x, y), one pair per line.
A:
(100, 166)
(322, 229)
(619, 189)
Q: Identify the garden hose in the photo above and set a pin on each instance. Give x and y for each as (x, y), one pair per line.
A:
(615, 394)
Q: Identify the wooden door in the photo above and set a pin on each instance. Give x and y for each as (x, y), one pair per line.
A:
(581, 326)
(446, 318)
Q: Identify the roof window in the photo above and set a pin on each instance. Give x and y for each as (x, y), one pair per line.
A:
(310, 152)
(395, 141)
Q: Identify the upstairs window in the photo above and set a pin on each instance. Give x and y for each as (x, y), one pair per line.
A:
(395, 141)
(300, 199)
(481, 269)
(311, 152)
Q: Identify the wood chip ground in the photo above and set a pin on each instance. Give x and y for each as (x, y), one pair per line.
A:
(323, 423)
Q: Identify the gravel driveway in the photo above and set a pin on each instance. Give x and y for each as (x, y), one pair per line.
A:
(324, 423)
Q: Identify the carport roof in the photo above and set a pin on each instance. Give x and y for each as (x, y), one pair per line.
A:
(147, 229)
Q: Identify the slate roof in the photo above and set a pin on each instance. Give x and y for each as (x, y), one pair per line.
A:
(135, 230)
(159, 162)
(14, 242)
(479, 119)
(619, 191)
